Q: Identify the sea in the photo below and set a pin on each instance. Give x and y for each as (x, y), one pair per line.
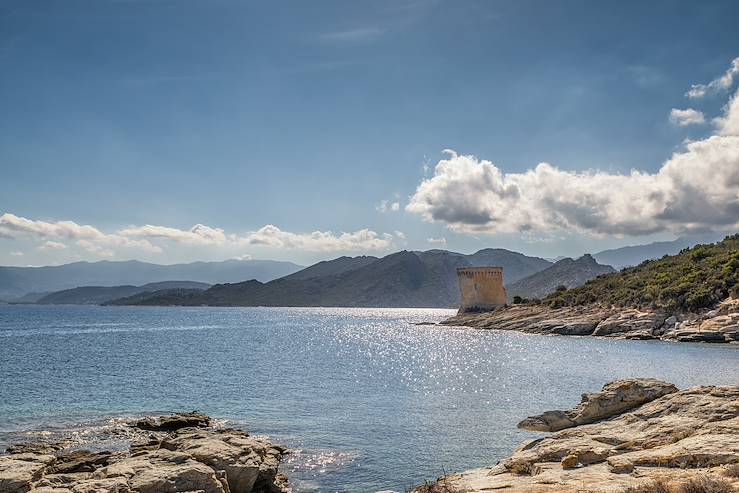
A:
(366, 399)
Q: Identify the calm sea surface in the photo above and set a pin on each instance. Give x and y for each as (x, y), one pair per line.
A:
(367, 399)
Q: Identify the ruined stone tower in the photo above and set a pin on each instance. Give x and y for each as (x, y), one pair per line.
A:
(482, 288)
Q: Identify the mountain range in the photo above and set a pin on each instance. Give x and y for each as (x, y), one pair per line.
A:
(16, 282)
(95, 295)
(403, 279)
(629, 256)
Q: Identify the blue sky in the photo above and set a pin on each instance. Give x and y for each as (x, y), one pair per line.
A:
(303, 117)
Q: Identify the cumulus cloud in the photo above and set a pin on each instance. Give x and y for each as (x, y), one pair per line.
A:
(437, 241)
(12, 226)
(199, 234)
(688, 116)
(53, 245)
(320, 241)
(696, 189)
(388, 206)
(719, 84)
(104, 244)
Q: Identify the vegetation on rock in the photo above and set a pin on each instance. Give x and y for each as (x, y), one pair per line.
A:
(695, 279)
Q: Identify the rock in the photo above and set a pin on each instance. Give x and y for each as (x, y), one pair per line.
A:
(191, 459)
(615, 398)
(681, 436)
(717, 326)
(630, 320)
(570, 462)
(174, 422)
(18, 472)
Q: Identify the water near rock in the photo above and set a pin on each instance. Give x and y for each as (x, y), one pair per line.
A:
(364, 399)
(655, 432)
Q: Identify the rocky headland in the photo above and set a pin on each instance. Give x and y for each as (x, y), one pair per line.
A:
(179, 453)
(635, 436)
(719, 325)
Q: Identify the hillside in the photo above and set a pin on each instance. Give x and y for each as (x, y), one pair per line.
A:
(94, 295)
(566, 272)
(692, 280)
(18, 281)
(403, 279)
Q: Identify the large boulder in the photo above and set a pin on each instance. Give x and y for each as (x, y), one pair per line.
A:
(615, 398)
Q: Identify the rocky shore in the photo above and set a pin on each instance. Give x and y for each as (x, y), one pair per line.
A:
(720, 325)
(635, 436)
(167, 454)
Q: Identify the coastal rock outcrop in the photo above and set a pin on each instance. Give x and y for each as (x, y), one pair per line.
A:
(167, 454)
(720, 325)
(615, 398)
(656, 433)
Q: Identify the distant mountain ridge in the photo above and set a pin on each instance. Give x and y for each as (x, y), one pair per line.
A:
(402, 279)
(566, 272)
(630, 256)
(18, 281)
(95, 295)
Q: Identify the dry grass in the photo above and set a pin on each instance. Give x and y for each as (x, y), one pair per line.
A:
(705, 484)
(732, 471)
(700, 484)
(656, 486)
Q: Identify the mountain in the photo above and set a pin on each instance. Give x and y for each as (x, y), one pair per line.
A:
(95, 295)
(634, 255)
(566, 272)
(694, 279)
(17, 281)
(139, 298)
(515, 265)
(403, 279)
(332, 267)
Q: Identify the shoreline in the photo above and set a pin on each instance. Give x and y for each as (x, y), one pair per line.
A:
(634, 436)
(718, 326)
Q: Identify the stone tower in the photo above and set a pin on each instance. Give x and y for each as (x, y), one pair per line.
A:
(482, 288)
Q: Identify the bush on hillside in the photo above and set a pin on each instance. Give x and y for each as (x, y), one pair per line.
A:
(695, 279)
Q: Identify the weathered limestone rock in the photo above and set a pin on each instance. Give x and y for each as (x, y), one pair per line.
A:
(718, 326)
(630, 320)
(190, 459)
(615, 398)
(681, 435)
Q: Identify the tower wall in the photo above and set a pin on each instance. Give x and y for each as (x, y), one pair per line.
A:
(481, 288)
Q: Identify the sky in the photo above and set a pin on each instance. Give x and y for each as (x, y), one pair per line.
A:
(181, 130)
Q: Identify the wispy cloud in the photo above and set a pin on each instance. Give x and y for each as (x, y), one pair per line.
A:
(717, 85)
(353, 35)
(437, 241)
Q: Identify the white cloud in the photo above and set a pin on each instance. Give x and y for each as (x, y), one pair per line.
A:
(104, 244)
(388, 206)
(722, 83)
(197, 235)
(12, 226)
(245, 256)
(16, 254)
(437, 241)
(696, 189)
(688, 116)
(52, 245)
(320, 241)
(95, 249)
(353, 35)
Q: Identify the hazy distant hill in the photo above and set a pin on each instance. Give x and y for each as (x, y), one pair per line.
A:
(567, 272)
(634, 255)
(95, 295)
(403, 279)
(17, 281)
